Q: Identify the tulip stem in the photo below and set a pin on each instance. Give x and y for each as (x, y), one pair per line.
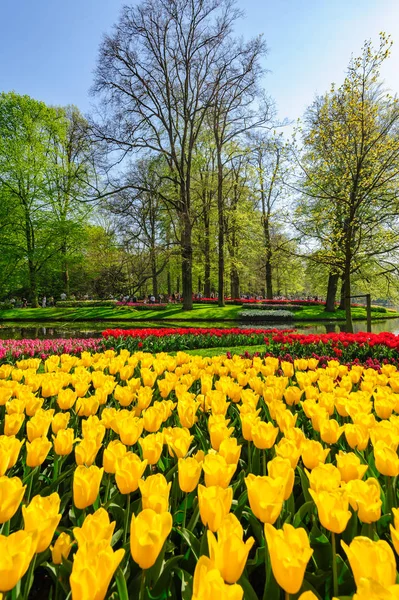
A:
(106, 494)
(126, 519)
(142, 585)
(29, 578)
(264, 462)
(334, 564)
(287, 596)
(249, 457)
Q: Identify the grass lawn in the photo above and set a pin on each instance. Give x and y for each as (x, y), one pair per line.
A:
(173, 312)
(217, 351)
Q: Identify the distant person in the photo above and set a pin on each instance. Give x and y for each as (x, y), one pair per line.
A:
(24, 303)
(63, 296)
(51, 301)
(44, 302)
(152, 299)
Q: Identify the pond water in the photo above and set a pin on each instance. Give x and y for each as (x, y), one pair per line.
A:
(91, 329)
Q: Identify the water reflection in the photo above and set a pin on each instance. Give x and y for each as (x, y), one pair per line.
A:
(17, 331)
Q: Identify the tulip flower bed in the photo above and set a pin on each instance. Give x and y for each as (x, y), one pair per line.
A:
(172, 340)
(347, 347)
(155, 476)
(11, 350)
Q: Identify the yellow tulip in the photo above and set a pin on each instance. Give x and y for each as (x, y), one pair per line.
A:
(266, 496)
(332, 508)
(386, 459)
(281, 467)
(66, 398)
(86, 485)
(95, 528)
(13, 423)
(219, 433)
(365, 497)
(308, 596)
(229, 553)
(63, 442)
(372, 560)
(148, 533)
(368, 589)
(129, 470)
(324, 478)
(130, 429)
(208, 583)
(357, 436)
(9, 451)
(313, 454)
(178, 440)
(152, 419)
(264, 434)
(155, 493)
(16, 553)
(290, 552)
(187, 409)
(39, 425)
(93, 569)
(124, 395)
(349, 466)
(86, 452)
(42, 515)
(214, 505)
(287, 448)
(61, 548)
(112, 453)
(189, 472)
(36, 451)
(292, 395)
(330, 431)
(230, 450)
(11, 494)
(60, 421)
(151, 447)
(217, 471)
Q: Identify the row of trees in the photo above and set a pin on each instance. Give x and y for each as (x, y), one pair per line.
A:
(184, 180)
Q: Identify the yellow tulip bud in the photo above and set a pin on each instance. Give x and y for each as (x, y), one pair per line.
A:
(61, 548)
(86, 485)
(290, 552)
(357, 436)
(368, 589)
(42, 515)
(9, 452)
(330, 431)
(66, 398)
(148, 533)
(86, 452)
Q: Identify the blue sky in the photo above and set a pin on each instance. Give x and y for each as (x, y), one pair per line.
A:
(48, 48)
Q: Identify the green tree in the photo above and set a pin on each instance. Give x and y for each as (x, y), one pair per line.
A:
(349, 171)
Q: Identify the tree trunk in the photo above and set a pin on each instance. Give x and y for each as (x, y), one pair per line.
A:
(269, 283)
(207, 254)
(168, 283)
(331, 292)
(33, 285)
(348, 311)
(186, 266)
(235, 283)
(154, 275)
(220, 205)
(342, 302)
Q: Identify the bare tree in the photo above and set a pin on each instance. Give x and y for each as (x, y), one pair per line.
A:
(156, 74)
